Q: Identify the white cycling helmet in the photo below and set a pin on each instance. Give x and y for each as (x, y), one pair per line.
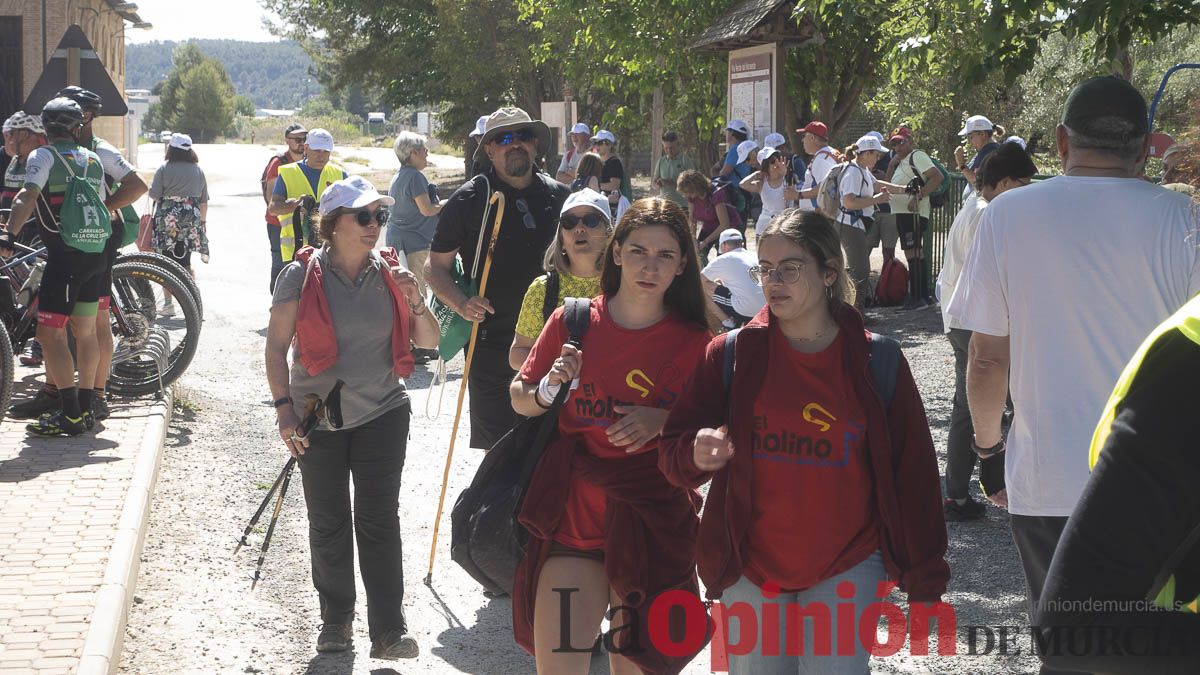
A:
(23, 120)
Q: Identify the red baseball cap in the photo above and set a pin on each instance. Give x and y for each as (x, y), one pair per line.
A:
(816, 129)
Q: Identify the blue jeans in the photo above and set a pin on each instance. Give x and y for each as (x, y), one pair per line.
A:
(276, 255)
(865, 576)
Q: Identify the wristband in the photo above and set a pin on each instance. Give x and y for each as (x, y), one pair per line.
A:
(280, 402)
(546, 392)
(984, 453)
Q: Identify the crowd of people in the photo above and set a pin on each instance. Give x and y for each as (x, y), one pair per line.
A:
(754, 371)
(1065, 302)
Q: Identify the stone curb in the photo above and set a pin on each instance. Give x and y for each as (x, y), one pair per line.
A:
(106, 631)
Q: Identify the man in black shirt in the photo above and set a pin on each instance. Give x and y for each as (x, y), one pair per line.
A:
(510, 144)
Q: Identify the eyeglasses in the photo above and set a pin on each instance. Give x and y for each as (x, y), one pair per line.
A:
(526, 216)
(787, 273)
(510, 137)
(570, 222)
(366, 218)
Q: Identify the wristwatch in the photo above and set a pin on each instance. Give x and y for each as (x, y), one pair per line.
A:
(280, 402)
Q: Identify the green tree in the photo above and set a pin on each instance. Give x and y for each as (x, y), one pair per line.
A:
(205, 102)
(243, 106)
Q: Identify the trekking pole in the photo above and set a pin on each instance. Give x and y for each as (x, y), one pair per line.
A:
(498, 198)
(263, 507)
(287, 479)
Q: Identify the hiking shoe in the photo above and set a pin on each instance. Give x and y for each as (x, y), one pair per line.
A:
(56, 424)
(89, 420)
(335, 637)
(99, 409)
(34, 358)
(395, 644)
(166, 309)
(44, 402)
(969, 510)
(911, 303)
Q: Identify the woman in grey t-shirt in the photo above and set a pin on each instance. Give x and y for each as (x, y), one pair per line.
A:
(341, 324)
(413, 218)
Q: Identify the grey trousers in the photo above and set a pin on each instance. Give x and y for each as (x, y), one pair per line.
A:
(858, 261)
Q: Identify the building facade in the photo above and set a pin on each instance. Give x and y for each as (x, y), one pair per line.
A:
(30, 30)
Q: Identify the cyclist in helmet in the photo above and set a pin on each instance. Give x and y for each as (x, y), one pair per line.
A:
(73, 279)
(123, 187)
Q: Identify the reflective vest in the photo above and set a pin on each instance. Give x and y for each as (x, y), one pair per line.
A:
(297, 186)
(1186, 321)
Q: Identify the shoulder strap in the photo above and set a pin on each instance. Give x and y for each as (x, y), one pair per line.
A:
(577, 312)
(885, 364)
(1173, 562)
(729, 353)
(551, 300)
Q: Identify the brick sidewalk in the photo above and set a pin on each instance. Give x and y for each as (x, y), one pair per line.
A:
(72, 517)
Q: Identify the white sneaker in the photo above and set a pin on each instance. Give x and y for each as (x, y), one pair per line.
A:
(166, 309)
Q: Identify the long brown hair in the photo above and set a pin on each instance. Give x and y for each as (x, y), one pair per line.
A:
(685, 295)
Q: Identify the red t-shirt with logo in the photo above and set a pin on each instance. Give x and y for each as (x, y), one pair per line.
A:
(813, 498)
(642, 367)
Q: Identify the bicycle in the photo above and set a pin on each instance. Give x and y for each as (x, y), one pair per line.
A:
(139, 283)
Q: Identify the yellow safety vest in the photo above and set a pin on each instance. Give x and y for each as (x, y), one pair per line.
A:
(297, 186)
(1186, 321)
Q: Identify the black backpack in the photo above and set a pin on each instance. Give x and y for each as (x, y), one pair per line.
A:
(486, 539)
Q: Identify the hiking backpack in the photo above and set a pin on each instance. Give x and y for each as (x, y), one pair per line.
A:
(892, 283)
(83, 220)
(938, 197)
(734, 197)
(829, 195)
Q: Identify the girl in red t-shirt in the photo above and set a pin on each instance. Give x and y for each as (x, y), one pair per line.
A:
(647, 332)
(817, 479)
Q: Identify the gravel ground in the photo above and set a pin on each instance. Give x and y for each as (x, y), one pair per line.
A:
(194, 610)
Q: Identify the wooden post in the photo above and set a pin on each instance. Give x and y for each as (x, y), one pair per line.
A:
(73, 66)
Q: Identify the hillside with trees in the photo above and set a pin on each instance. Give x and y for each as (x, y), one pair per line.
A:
(271, 74)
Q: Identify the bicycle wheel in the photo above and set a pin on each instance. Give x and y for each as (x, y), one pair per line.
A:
(6, 371)
(171, 266)
(137, 291)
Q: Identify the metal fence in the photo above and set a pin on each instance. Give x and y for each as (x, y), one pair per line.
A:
(939, 226)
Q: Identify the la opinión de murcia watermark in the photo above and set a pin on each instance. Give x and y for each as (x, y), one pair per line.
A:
(679, 624)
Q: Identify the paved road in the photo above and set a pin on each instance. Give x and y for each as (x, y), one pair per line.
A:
(195, 610)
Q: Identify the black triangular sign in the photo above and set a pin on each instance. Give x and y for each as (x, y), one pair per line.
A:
(92, 76)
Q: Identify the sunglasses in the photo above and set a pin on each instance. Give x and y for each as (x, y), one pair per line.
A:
(298, 139)
(570, 222)
(366, 218)
(510, 137)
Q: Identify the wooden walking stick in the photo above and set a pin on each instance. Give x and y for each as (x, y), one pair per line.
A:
(497, 198)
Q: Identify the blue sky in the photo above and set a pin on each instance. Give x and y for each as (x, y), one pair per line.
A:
(175, 20)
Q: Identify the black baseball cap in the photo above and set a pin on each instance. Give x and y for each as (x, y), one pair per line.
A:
(1106, 97)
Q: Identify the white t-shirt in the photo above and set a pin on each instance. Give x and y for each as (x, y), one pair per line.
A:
(733, 269)
(115, 166)
(859, 182)
(958, 245)
(818, 168)
(570, 160)
(773, 202)
(1076, 271)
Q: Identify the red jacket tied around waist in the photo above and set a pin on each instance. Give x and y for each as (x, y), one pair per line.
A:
(316, 336)
(899, 445)
(650, 541)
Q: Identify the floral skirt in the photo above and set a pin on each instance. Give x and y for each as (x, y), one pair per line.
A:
(177, 221)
